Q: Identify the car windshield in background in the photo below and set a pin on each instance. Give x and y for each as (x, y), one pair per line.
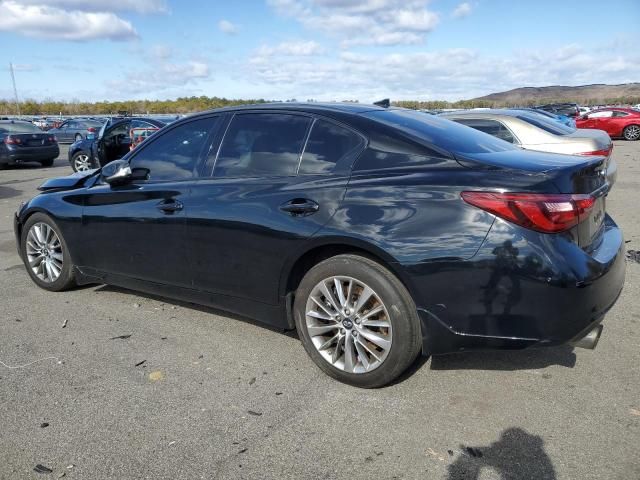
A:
(551, 126)
(19, 127)
(445, 134)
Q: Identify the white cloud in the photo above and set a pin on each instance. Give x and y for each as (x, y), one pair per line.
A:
(368, 22)
(451, 74)
(462, 10)
(300, 48)
(139, 6)
(55, 23)
(160, 76)
(225, 26)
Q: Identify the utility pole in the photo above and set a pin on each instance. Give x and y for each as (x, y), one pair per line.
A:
(15, 89)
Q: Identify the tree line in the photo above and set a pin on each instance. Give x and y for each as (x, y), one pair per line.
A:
(197, 104)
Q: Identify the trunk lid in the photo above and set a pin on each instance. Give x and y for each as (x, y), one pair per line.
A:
(32, 140)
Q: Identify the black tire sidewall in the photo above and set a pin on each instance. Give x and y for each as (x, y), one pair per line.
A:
(66, 278)
(404, 320)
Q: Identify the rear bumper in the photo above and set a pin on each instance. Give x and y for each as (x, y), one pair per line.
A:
(30, 154)
(521, 289)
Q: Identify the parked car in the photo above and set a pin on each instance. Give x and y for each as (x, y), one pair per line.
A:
(617, 122)
(568, 121)
(74, 130)
(377, 233)
(532, 131)
(571, 110)
(112, 141)
(22, 141)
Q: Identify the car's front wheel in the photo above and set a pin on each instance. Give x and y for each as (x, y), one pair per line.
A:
(357, 321)
(45, 254)
(631, 132)
(81, 162)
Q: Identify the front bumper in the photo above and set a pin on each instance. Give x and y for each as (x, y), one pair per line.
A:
(546, 291)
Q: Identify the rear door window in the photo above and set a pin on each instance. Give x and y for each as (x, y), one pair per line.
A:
(605, 114)
(492, 127)
(328, 144)
(618, 113)
(262, 144)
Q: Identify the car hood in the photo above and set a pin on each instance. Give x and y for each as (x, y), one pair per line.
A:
(69, 182)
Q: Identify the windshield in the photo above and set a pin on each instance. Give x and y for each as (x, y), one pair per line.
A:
(19, 127)
(445, 134)
(551, 126)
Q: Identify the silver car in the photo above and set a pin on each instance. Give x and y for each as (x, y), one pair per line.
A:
(533, 131)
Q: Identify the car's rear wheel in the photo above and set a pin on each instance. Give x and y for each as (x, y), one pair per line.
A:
(45, 254)
(631, 132)
(81, 162)
(357, 321)
(48, 162)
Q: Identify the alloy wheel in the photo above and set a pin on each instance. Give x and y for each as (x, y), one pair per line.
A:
(81, 163)
(632, 132)
(44, 252)
(348, 324)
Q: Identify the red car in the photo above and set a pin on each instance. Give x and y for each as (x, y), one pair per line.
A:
(617, 122)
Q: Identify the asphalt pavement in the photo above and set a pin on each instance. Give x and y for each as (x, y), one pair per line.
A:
(135, 386)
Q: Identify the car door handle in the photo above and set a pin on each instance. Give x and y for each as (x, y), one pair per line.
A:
(300, 206)
(170, 205)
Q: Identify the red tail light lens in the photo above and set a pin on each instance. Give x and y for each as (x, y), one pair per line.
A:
(546, 213)
(52, 139)
(602, 153)
(91, 130)
(12, 141)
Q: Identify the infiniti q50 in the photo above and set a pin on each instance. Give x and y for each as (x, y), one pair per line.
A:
(379, 234)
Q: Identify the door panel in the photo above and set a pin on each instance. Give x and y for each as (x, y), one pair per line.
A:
(127, 231)
(239, 238)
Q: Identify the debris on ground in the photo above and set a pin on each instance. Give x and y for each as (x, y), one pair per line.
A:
(633, 255)
(278, 393)
(256, 414)
(634, 411)
(121, 337)
(140, 363)
(62, 474)
(252, 381)
(156, 376)
(42, 469)
(44, 425)
(136, 305)
(243, 450)
(64, 324)
(474, 452)
(172, 442)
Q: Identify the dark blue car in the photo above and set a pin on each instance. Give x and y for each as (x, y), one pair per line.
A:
(112, 141)
(22, 141)
(377, 233)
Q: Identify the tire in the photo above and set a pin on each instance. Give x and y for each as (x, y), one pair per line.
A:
(631, 132)
(389, 297)
(81, 161)
(57, 254)
(78, 137)
(48, 162)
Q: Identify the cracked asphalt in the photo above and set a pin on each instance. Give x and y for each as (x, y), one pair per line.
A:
(140, 387)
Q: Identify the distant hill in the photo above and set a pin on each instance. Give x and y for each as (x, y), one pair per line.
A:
(585, 94)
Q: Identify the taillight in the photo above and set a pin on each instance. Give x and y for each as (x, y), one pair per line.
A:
(52, 139)
(12, 141)
(91, 130)
(546, 213)
(602, 153)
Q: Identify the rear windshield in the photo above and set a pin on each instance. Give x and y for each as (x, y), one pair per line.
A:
(19, 127)
(551, 126)
(442, 133)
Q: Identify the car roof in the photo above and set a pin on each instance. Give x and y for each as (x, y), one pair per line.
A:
(309, 107)
(493, 111)
(14, 121)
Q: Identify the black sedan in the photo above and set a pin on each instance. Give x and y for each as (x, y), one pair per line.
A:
(111, 142)
(377, 233)
(24, 142)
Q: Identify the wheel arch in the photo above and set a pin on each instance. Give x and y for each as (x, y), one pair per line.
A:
(296, 268)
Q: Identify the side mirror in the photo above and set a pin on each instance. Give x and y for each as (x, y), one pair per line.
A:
(116, 172)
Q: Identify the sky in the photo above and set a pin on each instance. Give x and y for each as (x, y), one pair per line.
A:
(91, 50)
